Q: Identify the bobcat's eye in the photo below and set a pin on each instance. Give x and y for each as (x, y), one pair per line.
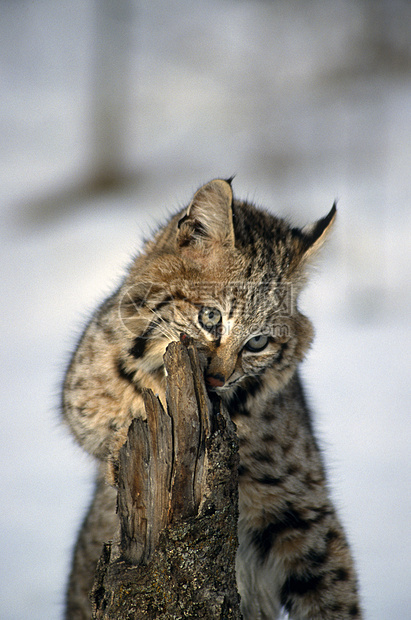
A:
(209, 318)
(256, 343)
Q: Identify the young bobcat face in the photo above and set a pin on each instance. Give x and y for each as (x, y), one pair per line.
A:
(234, 295)
(243, 330)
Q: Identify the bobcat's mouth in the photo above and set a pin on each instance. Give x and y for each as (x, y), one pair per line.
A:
(219, 387)
(215, 381)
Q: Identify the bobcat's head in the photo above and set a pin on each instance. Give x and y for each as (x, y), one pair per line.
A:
(228, 275)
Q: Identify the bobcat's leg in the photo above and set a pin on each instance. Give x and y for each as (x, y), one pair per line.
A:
(299, 560)
(99, 526)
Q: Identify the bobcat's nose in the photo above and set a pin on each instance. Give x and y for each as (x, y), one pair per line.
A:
(216, 380)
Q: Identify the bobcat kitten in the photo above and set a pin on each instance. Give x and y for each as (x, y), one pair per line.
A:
(228, 275)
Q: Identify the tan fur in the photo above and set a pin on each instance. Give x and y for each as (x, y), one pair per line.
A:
(228, 275)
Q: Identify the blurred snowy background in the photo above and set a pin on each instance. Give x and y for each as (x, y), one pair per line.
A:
(111, 114)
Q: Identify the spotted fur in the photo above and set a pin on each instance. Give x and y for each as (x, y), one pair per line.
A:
(228, 275)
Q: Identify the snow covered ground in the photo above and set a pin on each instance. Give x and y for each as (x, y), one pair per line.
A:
(305, 103)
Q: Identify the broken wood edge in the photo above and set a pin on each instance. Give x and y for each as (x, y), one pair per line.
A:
(211, 488)
(183, 408)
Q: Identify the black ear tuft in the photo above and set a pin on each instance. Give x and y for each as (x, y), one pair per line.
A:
(314, 235)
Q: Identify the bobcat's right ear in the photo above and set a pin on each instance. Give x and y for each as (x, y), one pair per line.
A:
(314, 235)
(209, 217)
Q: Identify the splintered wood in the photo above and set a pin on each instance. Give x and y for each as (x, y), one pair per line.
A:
(177, 504)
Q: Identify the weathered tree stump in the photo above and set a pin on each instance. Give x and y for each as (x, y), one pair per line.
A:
(178, 509)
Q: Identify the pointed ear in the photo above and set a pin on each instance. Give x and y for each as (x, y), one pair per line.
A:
(209, 217)
(314, 235)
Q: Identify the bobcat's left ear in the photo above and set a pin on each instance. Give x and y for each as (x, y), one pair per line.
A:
(209, 217)
(314, 235)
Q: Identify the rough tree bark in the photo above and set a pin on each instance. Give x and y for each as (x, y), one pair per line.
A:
(178, 509)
